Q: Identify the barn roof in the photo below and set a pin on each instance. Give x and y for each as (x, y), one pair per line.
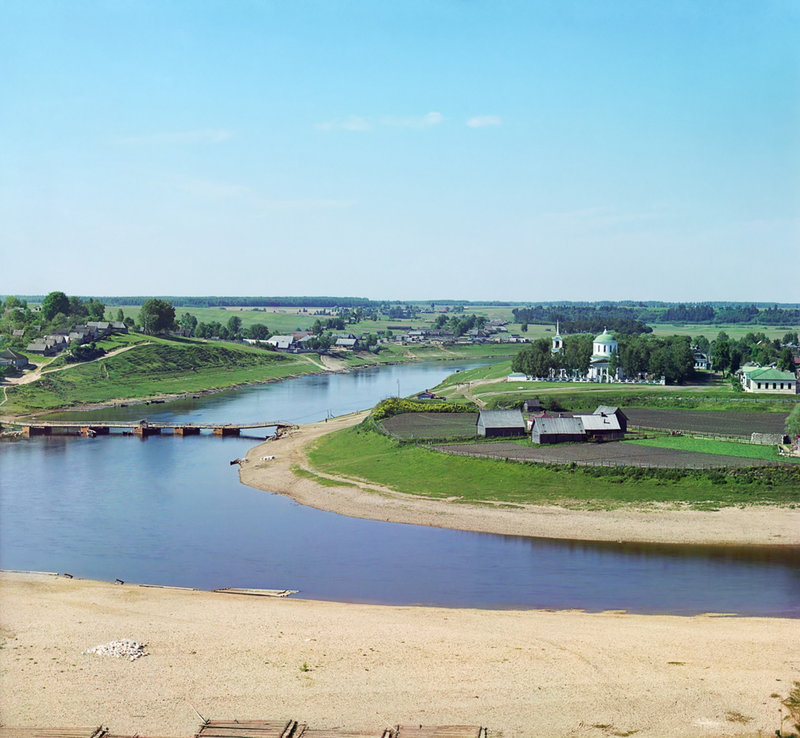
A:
(610, 410)
(558, 426)
(600, 422)
(502, 419)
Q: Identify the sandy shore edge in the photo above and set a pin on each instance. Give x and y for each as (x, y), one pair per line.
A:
(520, 673)
(750, 526)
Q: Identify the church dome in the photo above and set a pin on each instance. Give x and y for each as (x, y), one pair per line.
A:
(605, 337)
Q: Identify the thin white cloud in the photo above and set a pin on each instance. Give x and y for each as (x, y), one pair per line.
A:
(208, 136)
(364, 123)
(481, 121)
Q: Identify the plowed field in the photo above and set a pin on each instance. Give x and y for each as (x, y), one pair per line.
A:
(721, 423)
(432, 425)
(602, 454)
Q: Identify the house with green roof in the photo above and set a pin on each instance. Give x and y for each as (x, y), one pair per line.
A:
(768, 379)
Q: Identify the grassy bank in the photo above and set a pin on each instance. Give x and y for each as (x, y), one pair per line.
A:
(489, 386)
(158, 368)
(361, 453)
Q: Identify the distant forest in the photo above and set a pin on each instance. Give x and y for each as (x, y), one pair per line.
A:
(626, 317)
(633, 319)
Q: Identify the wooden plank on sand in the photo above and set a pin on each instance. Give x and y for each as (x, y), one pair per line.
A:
(249, 729)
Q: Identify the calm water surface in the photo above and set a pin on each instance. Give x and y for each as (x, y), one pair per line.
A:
(171, 510)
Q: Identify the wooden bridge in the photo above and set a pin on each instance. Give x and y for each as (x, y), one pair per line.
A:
(142, 428)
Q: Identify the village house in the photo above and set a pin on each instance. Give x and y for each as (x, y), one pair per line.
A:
(347, 344)
(606, 423)
(616, 412)
(701, 360)
(102, 327)
(9, 357)
(44, 346)
(547, 429)
(768, 379)
(601, 427)
(496, 423)
(282, 343)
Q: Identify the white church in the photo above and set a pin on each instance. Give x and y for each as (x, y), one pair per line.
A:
(603, 347)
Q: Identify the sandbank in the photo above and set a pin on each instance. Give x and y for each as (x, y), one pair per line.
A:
(519, 673)
(752, 525)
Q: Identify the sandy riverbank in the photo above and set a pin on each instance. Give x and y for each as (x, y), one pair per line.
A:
(760, 525)
(520, 673)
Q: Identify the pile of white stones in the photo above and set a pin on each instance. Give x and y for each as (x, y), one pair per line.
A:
(125, 648)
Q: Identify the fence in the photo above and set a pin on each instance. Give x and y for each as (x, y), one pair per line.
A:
(696, 434)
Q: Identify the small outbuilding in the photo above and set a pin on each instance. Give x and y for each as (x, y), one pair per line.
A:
(532, 405)
(557, 430)
(497, 423)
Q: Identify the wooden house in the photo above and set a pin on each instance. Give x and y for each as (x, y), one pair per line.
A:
(602, 427)
(547, 429)
(9, 357)
(532, 405)
(497, 423)
(616, 412)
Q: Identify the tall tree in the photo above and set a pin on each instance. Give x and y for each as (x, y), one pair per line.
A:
(54, 303)
(156, 316)
(786, 360)
(259, 331)
(234, 326)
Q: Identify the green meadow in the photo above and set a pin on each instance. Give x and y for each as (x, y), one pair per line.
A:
(362, 454)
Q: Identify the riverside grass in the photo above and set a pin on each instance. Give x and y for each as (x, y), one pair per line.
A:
(148, 370)
(361, 453)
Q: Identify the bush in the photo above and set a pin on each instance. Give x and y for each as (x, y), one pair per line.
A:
(395, 406)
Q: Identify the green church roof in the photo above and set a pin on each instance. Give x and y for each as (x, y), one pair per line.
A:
(605, 337)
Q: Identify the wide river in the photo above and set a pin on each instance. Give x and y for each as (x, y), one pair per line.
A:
(171, 510)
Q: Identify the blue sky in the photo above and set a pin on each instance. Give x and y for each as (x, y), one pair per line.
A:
(460, 149)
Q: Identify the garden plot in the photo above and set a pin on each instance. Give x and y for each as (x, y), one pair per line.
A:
(699, 421)
(615, 453)
(431, 425)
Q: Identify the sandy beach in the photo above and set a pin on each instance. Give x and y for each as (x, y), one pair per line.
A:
(519, 673)
(755, 525)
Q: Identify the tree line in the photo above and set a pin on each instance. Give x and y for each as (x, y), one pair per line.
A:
(646, 313)
(668, 356)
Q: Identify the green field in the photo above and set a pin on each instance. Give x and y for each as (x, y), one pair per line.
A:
(709, 446)
(362, 454)
(156, 368)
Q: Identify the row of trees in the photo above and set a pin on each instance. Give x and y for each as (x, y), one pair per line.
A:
(668, 356)
(728, 354)
(647, 313)
(460, 325)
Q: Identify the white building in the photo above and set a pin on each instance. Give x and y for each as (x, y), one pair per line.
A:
(603, 347)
